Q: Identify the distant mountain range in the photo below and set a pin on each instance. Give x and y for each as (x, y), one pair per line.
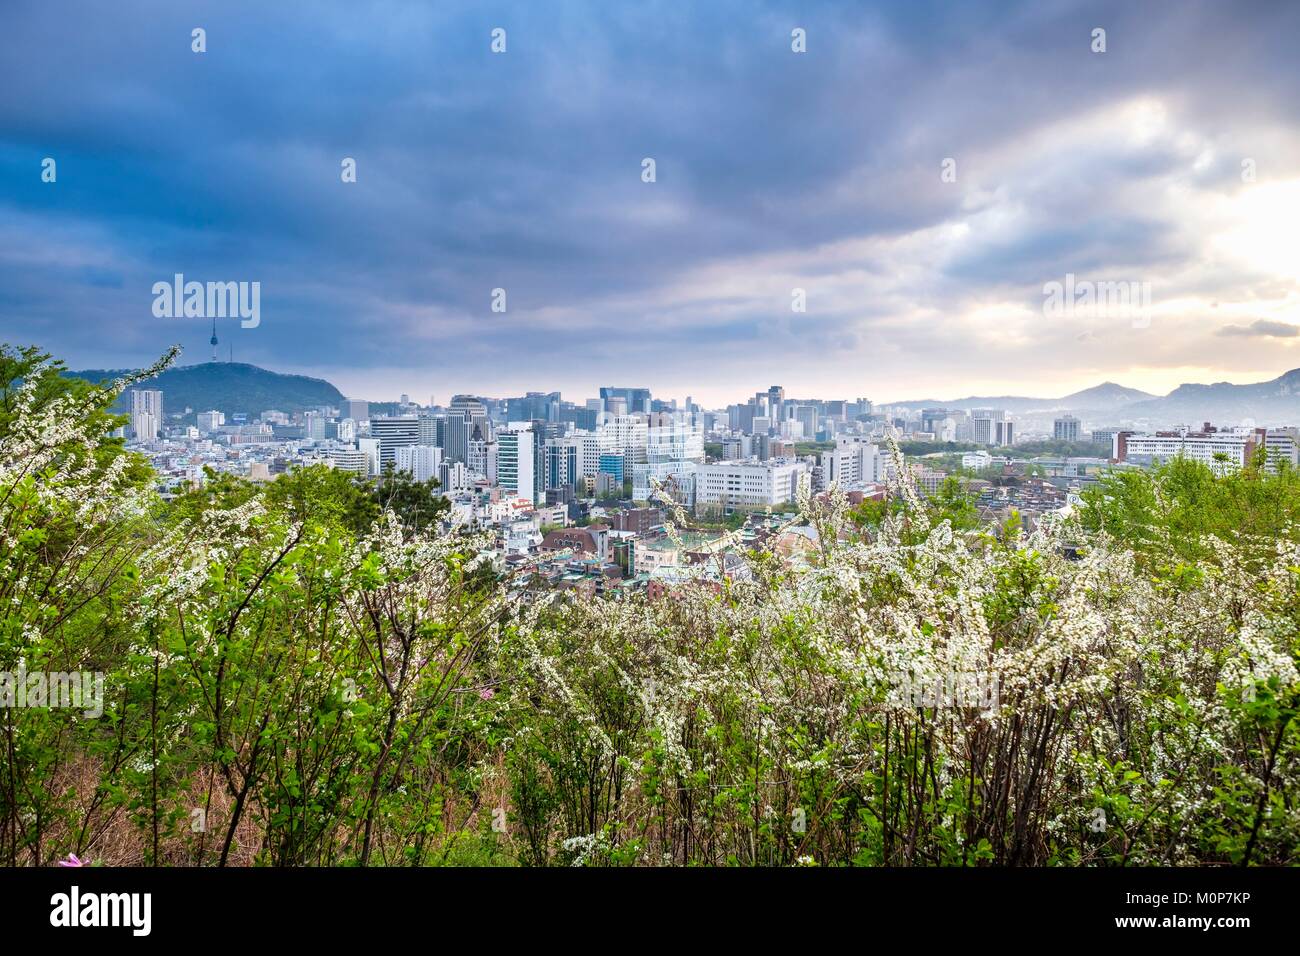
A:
(234, 387)
(1275, 402)
(230, 387)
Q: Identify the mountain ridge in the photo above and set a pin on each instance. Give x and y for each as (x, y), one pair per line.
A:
(231, 387)
(1272, 402)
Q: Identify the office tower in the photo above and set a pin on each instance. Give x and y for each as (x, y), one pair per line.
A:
(561, 459)
(540, 406)
(370, 446)
(611, 463)
(749, 483)
(636, 400)
(1066, 428)
(807, 414)
(1283, 446)
(420, 461)
(393, 433)
(589, 449)
(673, 450)
(483, 459)
(465, 415)
(433, 430)
(932, 419)
(989, 426)
(1105, 436)
(854, 460)
(356, 409)
(211, 421)
(625, 435)
(453, 477)
(146, 413)
(616, 407)
(354, 460)
(313, 426)
(580, 416)
(516, 461)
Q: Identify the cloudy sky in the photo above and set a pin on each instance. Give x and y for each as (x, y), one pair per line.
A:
(1171, 159)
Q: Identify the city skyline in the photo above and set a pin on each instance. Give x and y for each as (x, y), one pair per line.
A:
(919, 180)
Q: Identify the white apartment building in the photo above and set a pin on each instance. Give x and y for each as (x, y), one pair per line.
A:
(146, 413)
(420, 461)
(350, 459)
(1238, 444)
(1283, 444)
(854, 460)
(749, 483)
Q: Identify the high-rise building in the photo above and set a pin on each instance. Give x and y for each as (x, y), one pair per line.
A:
(854, 460)
(990, 426)
(562, 463)
(356, 409)
(313, 426)
(673, 450)
(453, 477)
(465, 416)
(370, 448)
(749, 483)
(1066, 428)
(807, 415)
(420, 461)
(542, 406)
(516, 460)
(1104, 436)
(146, 413)
(579, 416)
(350, 459)
(637, 399)
(391, 434)
(1283, 445)
(433, 430)
(210, 421)
(482, 459)
(611, 463)
(932, 419)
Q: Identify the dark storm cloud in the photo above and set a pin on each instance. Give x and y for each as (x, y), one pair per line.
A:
(522, 170)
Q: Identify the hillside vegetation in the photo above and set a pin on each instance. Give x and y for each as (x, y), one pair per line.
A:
(230, 387)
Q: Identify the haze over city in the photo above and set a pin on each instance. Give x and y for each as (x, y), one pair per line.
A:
(1169, 159)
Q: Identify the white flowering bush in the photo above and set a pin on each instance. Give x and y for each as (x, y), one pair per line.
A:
(301, 674)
